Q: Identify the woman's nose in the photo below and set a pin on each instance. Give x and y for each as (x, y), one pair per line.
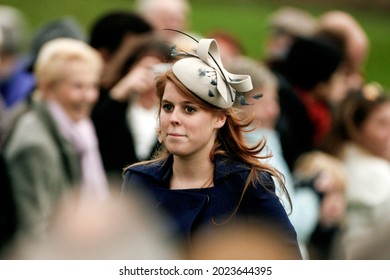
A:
(175, 116)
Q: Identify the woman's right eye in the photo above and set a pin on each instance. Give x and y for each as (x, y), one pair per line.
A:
(167, 107)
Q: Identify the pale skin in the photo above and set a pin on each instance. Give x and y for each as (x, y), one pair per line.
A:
(171, 14)
(266, 110)
(77, 92)
(188, 132)
(374, 134)
(139, 80)
(114, 62)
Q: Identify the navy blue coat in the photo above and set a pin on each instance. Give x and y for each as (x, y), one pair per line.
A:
(193, 209)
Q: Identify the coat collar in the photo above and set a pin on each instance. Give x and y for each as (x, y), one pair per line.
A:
(64, 147)
(162, 170)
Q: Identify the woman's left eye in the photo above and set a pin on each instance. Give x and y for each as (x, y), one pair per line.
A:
(190, 109)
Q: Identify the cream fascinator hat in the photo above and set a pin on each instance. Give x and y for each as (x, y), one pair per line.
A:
(204, 75)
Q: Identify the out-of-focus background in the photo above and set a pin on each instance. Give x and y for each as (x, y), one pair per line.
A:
(245, 18)
(326, 123)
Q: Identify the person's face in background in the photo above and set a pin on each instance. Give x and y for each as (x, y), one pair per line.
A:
(186, 128)
(265, 110)
(172, 14)
(277, 44)
(374, 133)
(336, 88)
(77, 91)
(357, 45)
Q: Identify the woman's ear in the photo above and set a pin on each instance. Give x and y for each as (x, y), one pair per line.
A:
(46, 90)
(220, 121)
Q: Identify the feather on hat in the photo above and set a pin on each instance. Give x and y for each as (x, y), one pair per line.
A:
(204, 75)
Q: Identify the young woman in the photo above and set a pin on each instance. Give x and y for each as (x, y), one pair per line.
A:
(206, 176)
(361, 139)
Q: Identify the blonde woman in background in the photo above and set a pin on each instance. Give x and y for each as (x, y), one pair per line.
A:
(53, 148)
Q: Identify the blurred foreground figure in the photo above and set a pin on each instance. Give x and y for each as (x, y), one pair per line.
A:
(91, 229)
(239, 242)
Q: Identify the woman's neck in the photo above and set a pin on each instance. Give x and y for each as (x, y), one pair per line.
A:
(192, 173)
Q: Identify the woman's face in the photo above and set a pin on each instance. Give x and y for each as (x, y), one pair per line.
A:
(267, 109)
(186, 128)
(375, 131)
(77, 92)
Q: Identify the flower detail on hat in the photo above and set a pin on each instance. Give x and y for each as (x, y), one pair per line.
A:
(204, 75)
(242, 99)
(202, 72)
(213, 82)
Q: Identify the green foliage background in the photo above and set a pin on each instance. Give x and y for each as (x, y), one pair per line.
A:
(245, 18)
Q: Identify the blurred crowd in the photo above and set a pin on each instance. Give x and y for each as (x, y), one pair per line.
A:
(77, 107)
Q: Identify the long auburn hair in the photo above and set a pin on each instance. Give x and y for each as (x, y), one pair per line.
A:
(230, 139)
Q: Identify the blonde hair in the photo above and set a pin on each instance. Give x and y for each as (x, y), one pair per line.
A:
(56, 54)
(312, 163)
